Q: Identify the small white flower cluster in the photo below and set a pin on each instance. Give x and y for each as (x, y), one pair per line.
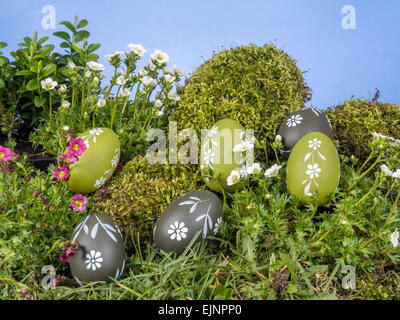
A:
(389, 173)
(95, 66)
(236, 174)
(393, 142)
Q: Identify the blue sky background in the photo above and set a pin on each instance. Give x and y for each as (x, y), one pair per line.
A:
(339, 63)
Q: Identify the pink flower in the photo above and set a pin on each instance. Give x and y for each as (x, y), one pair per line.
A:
(78, 203)
(5, 154)
(77, 147)
(68, 158)
(61, 174)
(64, 258)
(70, 253)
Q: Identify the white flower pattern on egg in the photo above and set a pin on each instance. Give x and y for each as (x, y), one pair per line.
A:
(313, 170)
(94, 260)
(294, 120)
(178, 231)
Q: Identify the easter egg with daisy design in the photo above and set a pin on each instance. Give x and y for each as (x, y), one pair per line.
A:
(313, 168)
(223, 160)
(101, 255)
(196, 211)
(300, 123)
(92, 157)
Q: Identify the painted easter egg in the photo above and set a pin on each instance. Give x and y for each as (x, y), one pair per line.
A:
(300, 123)
(313, 167)
(97, 163)
(196, 211)
(220, 164)
(102, 253)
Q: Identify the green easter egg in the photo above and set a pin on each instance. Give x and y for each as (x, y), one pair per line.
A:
(218, 161)
(313, 166)
(97, 163)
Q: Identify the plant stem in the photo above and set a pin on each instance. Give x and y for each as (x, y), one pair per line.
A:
(366, 172)
(50, 105)
(366, 161)
(393, 209)
(369, 192)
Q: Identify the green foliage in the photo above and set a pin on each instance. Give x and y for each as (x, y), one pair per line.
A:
(35, 219)
(353, 121)
(258, 86)
(137, 195)
(23, 101)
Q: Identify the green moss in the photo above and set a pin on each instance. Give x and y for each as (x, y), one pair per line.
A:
(137, 195)
(353, 121)
(258, 86)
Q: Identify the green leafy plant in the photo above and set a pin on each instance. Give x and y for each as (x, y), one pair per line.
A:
(88, 104)
(27, 81)
(354, 120)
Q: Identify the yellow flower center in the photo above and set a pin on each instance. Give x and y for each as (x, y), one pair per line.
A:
(76, 147)
(2, 155)
(235, 179)
(78, 203)
(61, 174)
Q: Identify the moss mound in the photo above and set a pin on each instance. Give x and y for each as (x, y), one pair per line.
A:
(257, 86)
(138, 194)
(355, 119)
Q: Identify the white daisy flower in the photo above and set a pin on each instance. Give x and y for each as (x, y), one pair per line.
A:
(143, 72)
(48, 84)
(278, 138)
(244, 146)
(148, 81)
(152, 66)
(160, 56)
(174, 96)
(120, 80)
(160, 113)
(233, 178)
(63, 88)
(125, 92)
(93, 65)
(169, 78)
(394, 238)
(386, 170)
(115, 54)
(254, 169)
(137, 49)
(178, 231)
(158, 103)
(65, 128)
(101, 103)
(313, 170)
(94, 260)
(66, 104)
(88, 74)
(273, 171)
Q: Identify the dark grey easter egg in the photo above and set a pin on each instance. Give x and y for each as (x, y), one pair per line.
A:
(102, 253)
(300, 123)
(182, 219)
